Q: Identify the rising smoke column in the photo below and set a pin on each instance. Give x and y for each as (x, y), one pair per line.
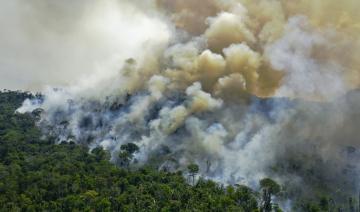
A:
(246, 89)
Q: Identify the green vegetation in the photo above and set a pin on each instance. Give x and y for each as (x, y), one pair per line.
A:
(193, 170)
(126, 154)
(269, 188)
(37, 175)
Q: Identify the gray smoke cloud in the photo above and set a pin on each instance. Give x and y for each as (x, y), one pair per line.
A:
(56, 43)
(257, 89)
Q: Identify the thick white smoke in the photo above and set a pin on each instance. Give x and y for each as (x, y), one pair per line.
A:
(56, 43)
(246, 89)
(306, 75)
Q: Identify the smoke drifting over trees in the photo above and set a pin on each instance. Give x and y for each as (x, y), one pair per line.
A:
(259, 88)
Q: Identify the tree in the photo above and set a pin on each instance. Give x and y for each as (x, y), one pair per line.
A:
(100, 153)
(130, 148)
(193, 169)
(127, 153)
(245, 198)
(269, 188)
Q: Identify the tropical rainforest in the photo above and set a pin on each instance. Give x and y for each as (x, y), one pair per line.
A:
(38, 175)
(180, 105)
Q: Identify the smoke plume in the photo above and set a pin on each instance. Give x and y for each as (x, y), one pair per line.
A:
(245, 88)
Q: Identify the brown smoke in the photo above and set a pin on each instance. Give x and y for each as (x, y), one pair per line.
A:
(190, 15)
(261, 23)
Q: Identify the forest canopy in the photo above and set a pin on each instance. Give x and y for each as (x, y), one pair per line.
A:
(38, 175)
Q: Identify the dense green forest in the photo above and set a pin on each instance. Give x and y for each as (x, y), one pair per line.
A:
(38, 175)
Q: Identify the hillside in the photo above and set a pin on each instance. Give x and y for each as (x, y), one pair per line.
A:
(37, 175)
